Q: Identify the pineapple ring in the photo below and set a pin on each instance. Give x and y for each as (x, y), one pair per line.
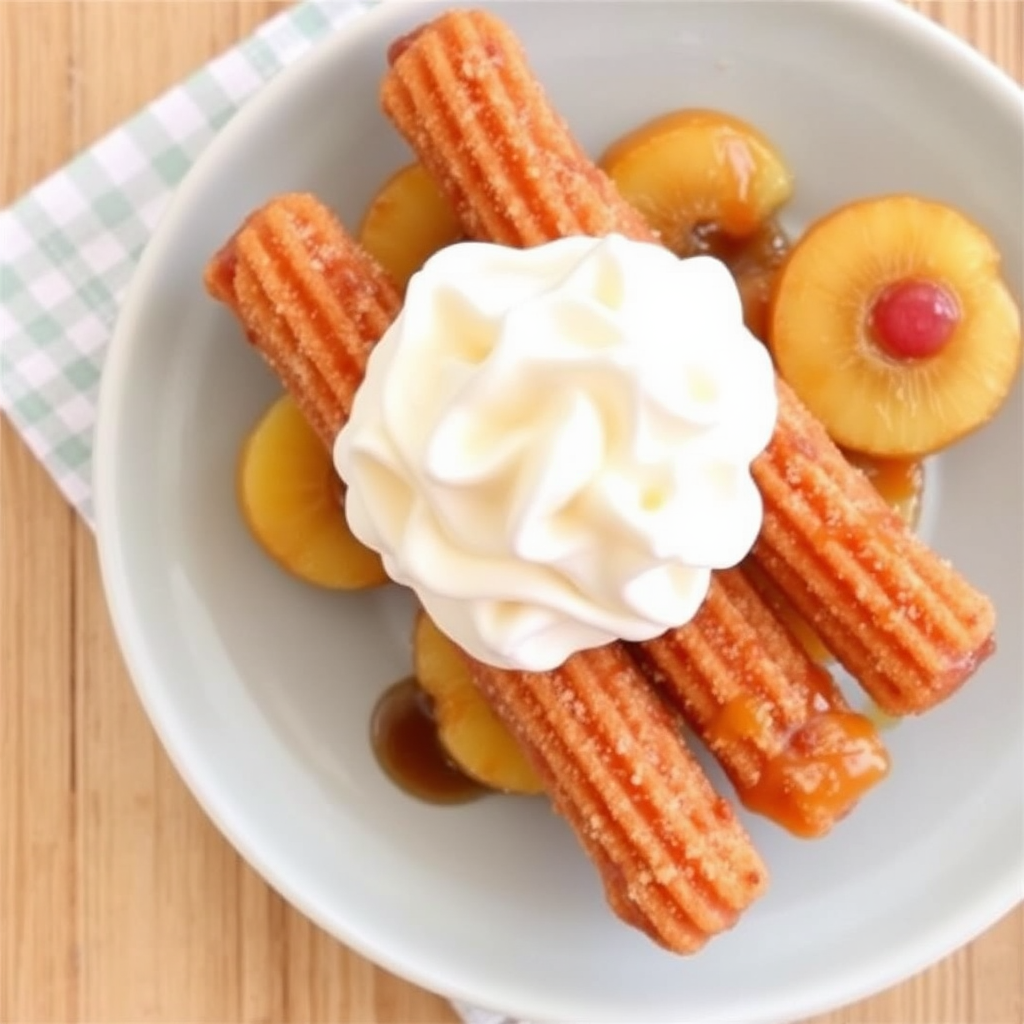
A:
(820, 335)
(697, 167)
(290, 499)
(407, 221)
(468, 729)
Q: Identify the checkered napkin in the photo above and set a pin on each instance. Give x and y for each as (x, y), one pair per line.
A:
(68, 249)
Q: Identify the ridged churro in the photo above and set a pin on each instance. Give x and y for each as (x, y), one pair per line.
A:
(901, 620)
(539, 183)
(673, 857)
(773, 673)
(774, 719)
(311, 301)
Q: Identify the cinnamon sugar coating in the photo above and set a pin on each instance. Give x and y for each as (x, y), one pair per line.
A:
(899, 619)
(311, 301)
(674, 859)
(774, 719)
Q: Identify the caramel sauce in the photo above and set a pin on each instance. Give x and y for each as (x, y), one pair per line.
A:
(823, 769)
(899, 481)
(739, 720)
(764, 248)
(754, 261)
(746, 719)
(405, 741)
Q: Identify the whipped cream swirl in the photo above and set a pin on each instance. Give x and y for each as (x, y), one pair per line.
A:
(552, 446)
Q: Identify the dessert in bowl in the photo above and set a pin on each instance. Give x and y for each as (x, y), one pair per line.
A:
(495, 866)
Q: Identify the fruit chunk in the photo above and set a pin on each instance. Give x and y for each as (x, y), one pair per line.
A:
(869, 271)
(407, 221)
(694, 168)
(471, 733)
(291, 500)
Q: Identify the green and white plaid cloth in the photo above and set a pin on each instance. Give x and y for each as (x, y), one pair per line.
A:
(69, 246)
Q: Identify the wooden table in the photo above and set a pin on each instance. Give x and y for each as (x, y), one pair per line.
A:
(118, 899)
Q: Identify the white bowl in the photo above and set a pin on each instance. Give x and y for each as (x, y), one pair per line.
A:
(261, 688)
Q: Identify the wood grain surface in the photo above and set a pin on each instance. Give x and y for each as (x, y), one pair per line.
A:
(119, 901)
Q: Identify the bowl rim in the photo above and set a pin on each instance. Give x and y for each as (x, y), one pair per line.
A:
(993, 898)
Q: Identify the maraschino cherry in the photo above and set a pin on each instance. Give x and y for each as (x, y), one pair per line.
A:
(914, 319)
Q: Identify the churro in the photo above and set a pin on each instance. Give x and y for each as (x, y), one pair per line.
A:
(311, 301)
(900, 619)
(776, 677)
(673, 857)
(539, 183)
(774, 719)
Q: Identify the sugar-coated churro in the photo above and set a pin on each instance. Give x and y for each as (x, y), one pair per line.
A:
(774, 719)
(539, 183)
(311, 301)
(307, 351)
(673, 857)
(900, 619)
(777, 680)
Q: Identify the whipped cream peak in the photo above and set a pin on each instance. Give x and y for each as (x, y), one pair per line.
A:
(552, 446)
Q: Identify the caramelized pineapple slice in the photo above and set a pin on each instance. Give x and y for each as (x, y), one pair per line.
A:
(407, 221)
(291, 500)
(695, 169)
(470, 732)
(891, 321)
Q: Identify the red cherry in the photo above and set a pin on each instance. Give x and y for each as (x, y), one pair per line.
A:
(914, 319)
